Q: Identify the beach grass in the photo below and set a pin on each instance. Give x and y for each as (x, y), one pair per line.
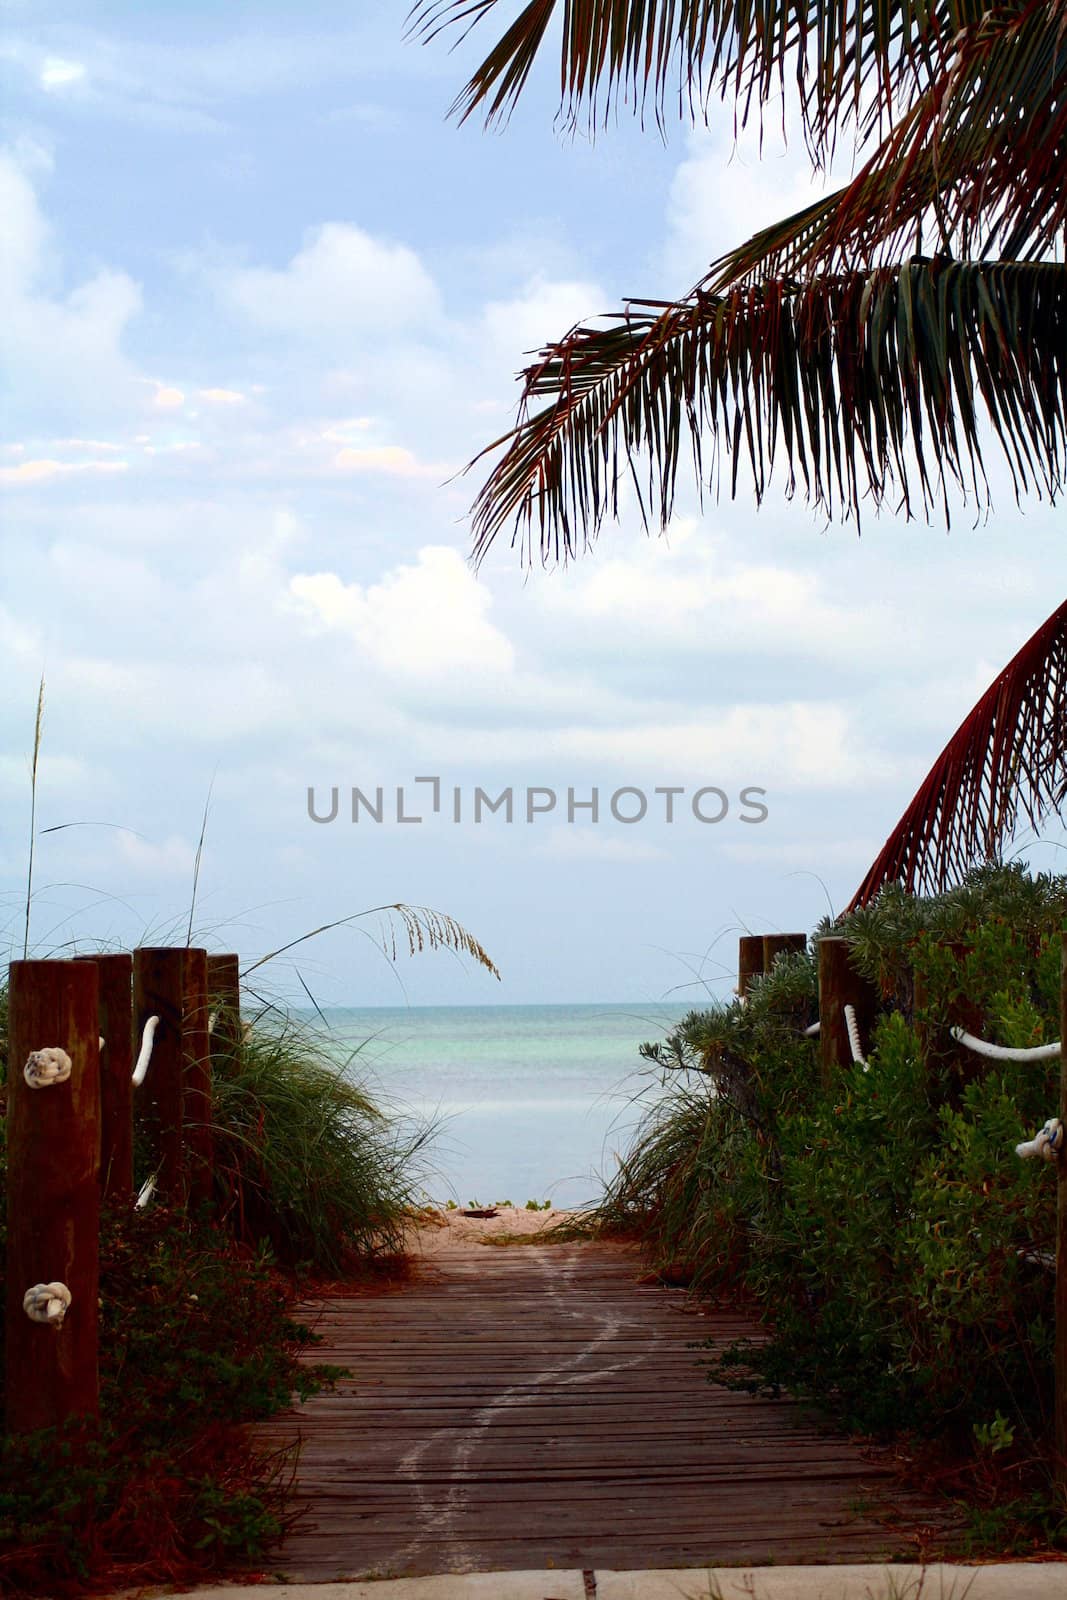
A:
(305, 1159)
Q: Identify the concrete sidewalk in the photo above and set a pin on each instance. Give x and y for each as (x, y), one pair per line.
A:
(1010, 1580)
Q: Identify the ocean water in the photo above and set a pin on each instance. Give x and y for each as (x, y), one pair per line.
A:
(530, 1101)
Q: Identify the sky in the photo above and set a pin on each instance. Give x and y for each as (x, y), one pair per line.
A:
(263, 301)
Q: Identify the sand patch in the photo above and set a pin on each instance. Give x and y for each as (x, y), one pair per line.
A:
(443, 1232)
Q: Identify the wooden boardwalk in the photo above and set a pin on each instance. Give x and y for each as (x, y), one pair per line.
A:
(536, 1406)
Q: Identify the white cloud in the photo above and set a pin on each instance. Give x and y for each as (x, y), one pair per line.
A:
(791, 744)
(221, 397)
(56, 774)
(31, 472)
(720, 197)
(59, 74)
(543, 311)
(171, 857)
(25, 232)
(348, 430)
(172, 447)
(103, 445)
(695, 590)
(342, 284)
(166, 397)
(421, 621)
(62, 354)
(391, 459)
(155, 72)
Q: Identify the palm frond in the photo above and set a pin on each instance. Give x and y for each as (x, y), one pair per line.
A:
(1007, 758)
(975, 164)
(845, 55)
(859, 384)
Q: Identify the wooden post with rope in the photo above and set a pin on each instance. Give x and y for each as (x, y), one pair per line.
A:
(840, 985)
(158, 991)
(114, 979)
(196, 1069)
(53, 1193)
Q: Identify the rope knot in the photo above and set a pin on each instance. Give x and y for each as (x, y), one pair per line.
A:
(48, 1303)
(45, 1067)
(1047, 1144)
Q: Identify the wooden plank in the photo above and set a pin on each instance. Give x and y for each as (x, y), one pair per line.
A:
(537, 1405)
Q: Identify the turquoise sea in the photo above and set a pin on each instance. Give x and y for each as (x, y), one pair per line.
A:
(531, 1101)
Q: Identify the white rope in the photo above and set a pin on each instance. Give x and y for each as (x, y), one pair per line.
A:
(814, 1031)
(854, 1037)
(1047, 1144)
(1001, 1052)
(211, 1021)
(148, 1189)
(48, 1303)
(145, 1056)
(45, 1067)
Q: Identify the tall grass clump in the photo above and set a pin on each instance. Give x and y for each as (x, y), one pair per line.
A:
(680, 1183)
(305, 1159)
(882, 1226)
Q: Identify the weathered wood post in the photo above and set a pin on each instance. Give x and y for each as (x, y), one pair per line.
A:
(53, 1194)
(780, 944)
(114, 980)
(749, 961)
(196, 1050)
(158, 990)
(224, 993)
(840, 985)
(1061, 1252)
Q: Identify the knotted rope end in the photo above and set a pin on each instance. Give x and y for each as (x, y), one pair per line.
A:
(1047, 1144)
(47, 1303)
(45, 1067)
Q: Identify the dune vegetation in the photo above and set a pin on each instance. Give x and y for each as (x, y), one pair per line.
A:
(881, 1226)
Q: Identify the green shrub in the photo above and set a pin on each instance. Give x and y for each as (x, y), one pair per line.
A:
(195, 1339)
(883, 1227)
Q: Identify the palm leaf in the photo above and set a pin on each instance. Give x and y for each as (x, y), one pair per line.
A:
(1008, 757)
(843, 54)
(975, 164)
(857, 384)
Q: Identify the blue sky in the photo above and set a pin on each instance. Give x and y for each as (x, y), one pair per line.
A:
(263, 301)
